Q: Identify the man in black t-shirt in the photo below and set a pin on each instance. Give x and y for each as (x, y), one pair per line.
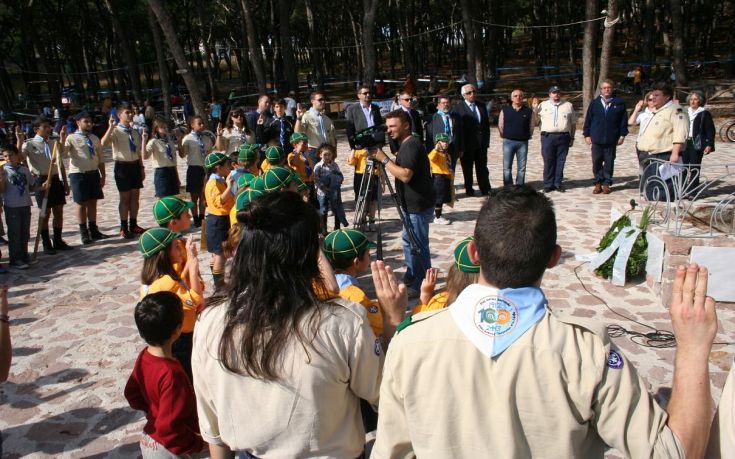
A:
(415, 191)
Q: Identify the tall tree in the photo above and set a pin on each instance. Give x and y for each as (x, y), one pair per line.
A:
(677, 49)
(588, 53)
(128, 52)
(607, 40)
(369, 8)
(255, 56)
(164, 19)
(470, 42)
(161, 60)
(289, 63)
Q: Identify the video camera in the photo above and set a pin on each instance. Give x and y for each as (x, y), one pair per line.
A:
(369, 138)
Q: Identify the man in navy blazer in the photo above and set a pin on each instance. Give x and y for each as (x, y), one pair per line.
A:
(474, 140)
(446, 122)
(605, 127)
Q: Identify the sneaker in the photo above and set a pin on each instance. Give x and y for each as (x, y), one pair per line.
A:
(137, 230)
(126, 234)
(442, 221)
(19, 265)
(96, 235)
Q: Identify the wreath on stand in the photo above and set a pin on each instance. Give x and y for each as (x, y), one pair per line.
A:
(623, 245)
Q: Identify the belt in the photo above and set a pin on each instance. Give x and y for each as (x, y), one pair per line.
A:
(127, 162)
(554, 133)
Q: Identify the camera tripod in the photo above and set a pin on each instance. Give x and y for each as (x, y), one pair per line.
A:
(375, 171)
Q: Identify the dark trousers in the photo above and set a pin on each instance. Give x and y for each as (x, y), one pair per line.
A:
(653, 187)
(693, 158)
(554, 149)
(603, 163)
(478, 159)
(18, 220)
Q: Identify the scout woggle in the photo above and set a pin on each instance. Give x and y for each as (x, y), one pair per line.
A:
(494, 319)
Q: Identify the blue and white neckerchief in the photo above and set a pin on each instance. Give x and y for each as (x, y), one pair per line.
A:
(308, 170)
(169, 150)
(492, 319)
(17, 177)
(131, 141)
(217, 177)
(198, 137)
(46, 148)
(88, 141)
(345, 280)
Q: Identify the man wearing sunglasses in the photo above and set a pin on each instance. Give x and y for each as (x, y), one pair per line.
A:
(405, 100)
(317, 126)
(474, 139)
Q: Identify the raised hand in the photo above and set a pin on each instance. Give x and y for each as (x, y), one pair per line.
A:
(692, 312)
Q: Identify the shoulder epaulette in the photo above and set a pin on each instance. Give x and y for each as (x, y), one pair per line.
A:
(420, 317)
(404, 323)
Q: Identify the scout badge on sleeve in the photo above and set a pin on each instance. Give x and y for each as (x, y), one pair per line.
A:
(494, 319)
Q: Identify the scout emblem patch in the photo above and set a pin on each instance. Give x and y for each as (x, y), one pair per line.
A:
(614, 360)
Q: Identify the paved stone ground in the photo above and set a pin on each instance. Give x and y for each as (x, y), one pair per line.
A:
(75, 339)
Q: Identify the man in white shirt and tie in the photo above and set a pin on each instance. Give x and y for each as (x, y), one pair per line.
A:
(446, 122)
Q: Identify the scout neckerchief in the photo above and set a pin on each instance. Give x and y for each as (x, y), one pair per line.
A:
(282, 132)
(169, 152)
(131, 141)
(307, 165)
(345, 280)
(46, 148)
(17, 177)
(198, 137)
(88, 141)
(492, 319)
(217, 177)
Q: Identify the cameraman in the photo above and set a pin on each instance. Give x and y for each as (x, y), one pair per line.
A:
(415, 191)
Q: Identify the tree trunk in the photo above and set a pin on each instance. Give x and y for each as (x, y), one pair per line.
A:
(369, 8)
(289, 62)
(588, 55)
(164, 19)
(677, 49)
(255, 57)
(607, 41)
(206, 39)
(162, 66)
(649, 31)
(468, 15)
(127, 51)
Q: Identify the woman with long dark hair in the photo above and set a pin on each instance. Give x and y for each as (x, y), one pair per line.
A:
(277, 371)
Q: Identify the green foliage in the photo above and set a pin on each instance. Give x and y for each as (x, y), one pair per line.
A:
(639, 253)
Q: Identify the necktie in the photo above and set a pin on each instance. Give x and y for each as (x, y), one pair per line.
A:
(131, 141)
(447, 128)
(46, 150)
(474, 111)
(282, 134)
(200, 141)
(88, 141)
(321, 127)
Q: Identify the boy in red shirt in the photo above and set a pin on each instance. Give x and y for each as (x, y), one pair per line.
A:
(158, 384)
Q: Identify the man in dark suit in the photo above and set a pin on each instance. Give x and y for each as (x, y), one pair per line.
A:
(262, 111)
(444, 121)
(363, 115)
(474, 139)
(405, 99)
(605, 127)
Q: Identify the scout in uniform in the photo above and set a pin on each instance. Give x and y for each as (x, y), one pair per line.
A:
(497, 373)
(127, 146)
(174, 214)
(462, 273)
(235, 134)
(274, 156)
(302, 163)
(218, 193)
(664, 139)
(37, 152)
(246, 162)
(195, 146)
(86, 176)
(276, 179)
(558, 125)
(441, 171)
(162, 152)
(242, 202)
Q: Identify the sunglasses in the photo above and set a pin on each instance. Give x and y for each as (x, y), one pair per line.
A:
(470, 92)
(649, 99)
(364, 93)
(405, 98)
(237, 115)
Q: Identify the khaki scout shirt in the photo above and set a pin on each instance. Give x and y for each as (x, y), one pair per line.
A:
(156, 149)
(557, 117)
(722, 435)
(120, 142)
(77, 151)
(667, 126)
(191, 151)
(313, 410)
(311, 126)
(35, 155)
(235, 137)
(555, 392)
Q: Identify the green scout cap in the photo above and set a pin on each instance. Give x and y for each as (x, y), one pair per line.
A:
(298, 137)
(248, 152)
(258, 184)
(244, 181)
(441, 137)
(168, 208)
(246, 197)
(154, 240)
(345, 244)
(462, 257)
(274, 154)
(275, 179)
(214, 159)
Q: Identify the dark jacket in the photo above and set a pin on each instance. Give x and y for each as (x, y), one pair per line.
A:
(271, 129)
(474, 134)
(703, 123)
(606, 127)
(436, 125)
(356, 122)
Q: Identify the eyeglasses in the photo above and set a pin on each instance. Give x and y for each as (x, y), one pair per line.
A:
(320, 100)
(517, 95)
(237, 115)
(364, 93)
(405, 98)
(470, 92)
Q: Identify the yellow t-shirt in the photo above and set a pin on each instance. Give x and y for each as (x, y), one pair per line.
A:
(191, 300)
(233, 216)
(265, 165)
(358, 160)
(300, 164)
(438, 301)
(439, 161)
(213, 194)
(355, 294)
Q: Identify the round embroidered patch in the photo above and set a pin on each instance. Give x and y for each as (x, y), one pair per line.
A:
(373, 309)
(377, 347)
(614, 360)
(495, 316)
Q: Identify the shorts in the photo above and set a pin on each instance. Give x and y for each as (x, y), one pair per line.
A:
(56, 193)
(217, 228)
(166, 181)
(442, 190)
(372, 192)
(128, 176)
(85, 186)
(195, 179)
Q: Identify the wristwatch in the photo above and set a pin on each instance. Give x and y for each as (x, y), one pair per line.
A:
(385, 161)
